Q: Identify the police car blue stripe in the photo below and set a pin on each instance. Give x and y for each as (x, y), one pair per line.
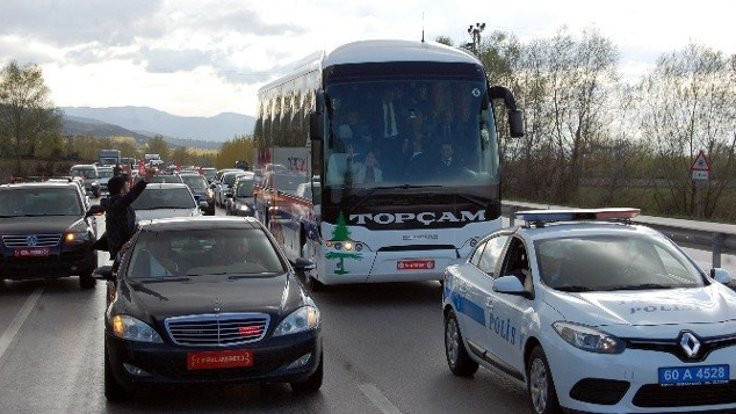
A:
(469, 308)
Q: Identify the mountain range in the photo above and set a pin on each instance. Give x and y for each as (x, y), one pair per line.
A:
(143, 122)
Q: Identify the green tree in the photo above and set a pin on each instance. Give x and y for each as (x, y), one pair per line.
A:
(445, 40)
(157, 145)
(341, 234)
(180, 156)
(27, 115)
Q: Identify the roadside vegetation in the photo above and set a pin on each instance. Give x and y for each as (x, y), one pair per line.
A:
(597, 137)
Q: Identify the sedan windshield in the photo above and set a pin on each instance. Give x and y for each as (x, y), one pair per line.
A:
(606, 263)
(245, 188)
(195, 182)
(105, 173)
(163, 178)
(192, 253)
(169, 198)
(40, 202)
(84, 172)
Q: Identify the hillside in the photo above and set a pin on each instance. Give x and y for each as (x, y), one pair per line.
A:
(73, 125)
(218, 128)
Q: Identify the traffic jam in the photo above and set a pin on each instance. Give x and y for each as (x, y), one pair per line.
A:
(213, 274)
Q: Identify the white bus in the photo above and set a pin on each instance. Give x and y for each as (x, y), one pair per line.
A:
(397, 141)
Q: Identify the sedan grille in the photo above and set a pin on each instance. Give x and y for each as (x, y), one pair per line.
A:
(221, 329)
(32, 240)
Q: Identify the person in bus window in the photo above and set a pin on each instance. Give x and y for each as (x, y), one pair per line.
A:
(369, 171)
(449, 165)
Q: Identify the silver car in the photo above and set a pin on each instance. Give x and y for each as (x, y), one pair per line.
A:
(166, 200)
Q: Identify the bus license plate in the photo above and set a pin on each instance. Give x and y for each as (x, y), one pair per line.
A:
(32, 252)
(705, 374)
(415, 265)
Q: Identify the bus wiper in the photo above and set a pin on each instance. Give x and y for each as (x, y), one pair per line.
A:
(370, 192)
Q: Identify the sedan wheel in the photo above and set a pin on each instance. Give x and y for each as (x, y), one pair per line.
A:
(542, 393)
(457, 357)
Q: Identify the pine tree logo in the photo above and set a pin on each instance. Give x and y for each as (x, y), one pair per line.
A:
(340, 235)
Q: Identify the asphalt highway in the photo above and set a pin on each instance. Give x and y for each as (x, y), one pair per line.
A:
(383, 354)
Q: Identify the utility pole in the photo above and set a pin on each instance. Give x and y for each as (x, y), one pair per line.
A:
(474, 32)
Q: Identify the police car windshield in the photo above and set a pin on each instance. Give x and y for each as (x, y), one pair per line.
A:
(609, 263)
(193, 253)
(164, 198)
(35, 202)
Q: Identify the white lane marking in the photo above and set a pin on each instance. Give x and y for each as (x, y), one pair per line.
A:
(7, 337)
(375, 395)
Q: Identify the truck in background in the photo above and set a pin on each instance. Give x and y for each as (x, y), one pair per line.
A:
(109, 157)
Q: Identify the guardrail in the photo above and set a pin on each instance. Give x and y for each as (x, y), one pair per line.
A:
(718, 238)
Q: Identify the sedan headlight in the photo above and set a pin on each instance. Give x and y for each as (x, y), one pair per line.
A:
(301, 320)
(589, 339)
(73, 237)
(131, 329)
(95, 184)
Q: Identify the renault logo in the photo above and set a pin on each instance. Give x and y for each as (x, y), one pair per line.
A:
(32, 240)
(690, 344)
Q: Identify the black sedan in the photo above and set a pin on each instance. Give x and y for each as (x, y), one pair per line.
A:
(193, 305)
(198, 185)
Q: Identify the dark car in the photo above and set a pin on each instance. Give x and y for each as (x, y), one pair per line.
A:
(210, 174)
(241, 203)
(88, 173)
(208, 300)
(198, 185)
(46, 233)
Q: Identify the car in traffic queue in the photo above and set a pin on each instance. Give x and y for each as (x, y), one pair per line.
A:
(225, 186)
(209, 173)
(45, 232)
(208, 300)
(241, 201)
(167, 200)
(90, 177)
(198, 186)
(104, 174)
(167, 179)
(593, 314)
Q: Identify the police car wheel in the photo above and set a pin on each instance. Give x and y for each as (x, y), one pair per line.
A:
(541, 388)
(457, 357)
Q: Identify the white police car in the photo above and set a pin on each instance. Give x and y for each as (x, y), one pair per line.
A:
(594, 316)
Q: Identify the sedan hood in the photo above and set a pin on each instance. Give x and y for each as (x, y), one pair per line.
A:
(165, 213)
(709, 304)
(160, 300)
(30, 225)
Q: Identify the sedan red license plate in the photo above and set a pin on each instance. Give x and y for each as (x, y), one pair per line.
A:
(31, 252)
(415, 264)
(219, 359)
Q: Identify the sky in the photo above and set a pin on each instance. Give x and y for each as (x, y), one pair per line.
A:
(201, 58)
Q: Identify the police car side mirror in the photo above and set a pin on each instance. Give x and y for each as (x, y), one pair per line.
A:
(720, 275)
(510, 285)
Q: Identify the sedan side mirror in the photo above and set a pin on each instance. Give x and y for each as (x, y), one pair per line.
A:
(103, 273)
(301, 264)
(720, 275)
(509, 284)
(96, 210)
(203, 205)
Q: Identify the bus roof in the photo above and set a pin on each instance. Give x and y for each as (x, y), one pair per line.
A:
(375, 51)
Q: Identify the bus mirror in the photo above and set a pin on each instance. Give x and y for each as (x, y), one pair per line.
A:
(516, 123)
(315, 126)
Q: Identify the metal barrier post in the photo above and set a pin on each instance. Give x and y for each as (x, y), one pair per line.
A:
(717, 246)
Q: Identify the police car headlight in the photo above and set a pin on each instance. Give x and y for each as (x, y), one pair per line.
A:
(301, 320)
(131, 329)
(589, 339)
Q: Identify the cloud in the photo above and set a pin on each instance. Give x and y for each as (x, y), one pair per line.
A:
(163, 60)
(18, 50)
(243, 21)
(72, 22)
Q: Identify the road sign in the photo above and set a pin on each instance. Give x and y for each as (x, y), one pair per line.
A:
(700, 175)
(701, 163)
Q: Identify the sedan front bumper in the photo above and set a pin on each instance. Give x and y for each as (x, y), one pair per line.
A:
(275, 360)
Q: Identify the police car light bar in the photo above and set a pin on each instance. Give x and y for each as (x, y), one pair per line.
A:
(546, 216)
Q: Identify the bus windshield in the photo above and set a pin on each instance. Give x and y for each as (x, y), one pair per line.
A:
(410, 133)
